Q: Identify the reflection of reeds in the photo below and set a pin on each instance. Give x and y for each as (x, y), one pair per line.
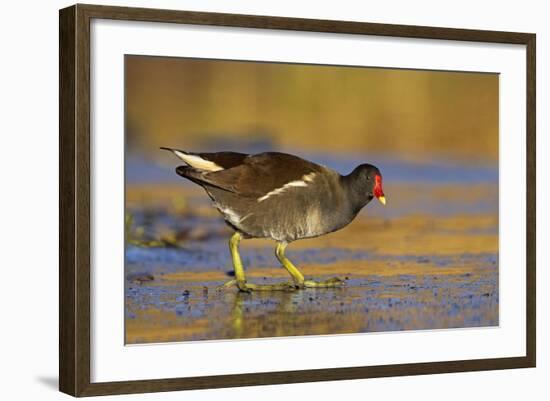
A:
(151, 202)
(184, 101)
(136, 236)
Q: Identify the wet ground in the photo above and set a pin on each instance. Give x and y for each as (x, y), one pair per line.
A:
(428, 260)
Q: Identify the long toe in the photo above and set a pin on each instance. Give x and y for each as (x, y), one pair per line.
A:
(336, 281)
(286, 286)
(228, 284)
(243, 286)
(330, 283)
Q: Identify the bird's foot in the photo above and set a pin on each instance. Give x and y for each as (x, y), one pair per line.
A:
(243, 286)
(330, 283)
(228, 284)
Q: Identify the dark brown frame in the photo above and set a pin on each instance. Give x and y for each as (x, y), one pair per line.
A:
(74, 199)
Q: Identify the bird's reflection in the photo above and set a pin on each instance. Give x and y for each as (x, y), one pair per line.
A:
(259, 307)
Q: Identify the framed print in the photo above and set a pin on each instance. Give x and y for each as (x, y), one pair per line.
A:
(280, 200)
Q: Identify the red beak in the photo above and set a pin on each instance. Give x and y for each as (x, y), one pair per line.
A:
(378, 191)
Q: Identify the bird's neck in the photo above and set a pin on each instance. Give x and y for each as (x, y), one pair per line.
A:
(357, 196)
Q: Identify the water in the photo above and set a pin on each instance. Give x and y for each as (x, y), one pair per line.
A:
(429, 260)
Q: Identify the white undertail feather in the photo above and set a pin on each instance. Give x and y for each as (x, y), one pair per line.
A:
(298, 183)
(231, 216)
(198, 162)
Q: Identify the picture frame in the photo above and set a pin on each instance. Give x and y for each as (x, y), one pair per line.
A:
(76, 201)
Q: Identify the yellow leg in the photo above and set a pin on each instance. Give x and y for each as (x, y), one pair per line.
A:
(297, 275)
(237, 263)
(240, 279)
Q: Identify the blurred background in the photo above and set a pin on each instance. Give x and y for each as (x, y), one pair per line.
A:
(416, 114)
(429, 259)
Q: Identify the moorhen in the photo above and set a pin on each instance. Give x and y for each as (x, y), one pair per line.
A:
(282, 197)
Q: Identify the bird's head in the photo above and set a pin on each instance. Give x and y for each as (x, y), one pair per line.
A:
(367, 181)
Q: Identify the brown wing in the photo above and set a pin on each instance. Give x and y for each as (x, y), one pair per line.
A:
(262, 173)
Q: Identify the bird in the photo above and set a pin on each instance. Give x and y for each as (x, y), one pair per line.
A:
(282, 197)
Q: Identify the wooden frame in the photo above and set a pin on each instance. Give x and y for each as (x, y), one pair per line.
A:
(74, 200)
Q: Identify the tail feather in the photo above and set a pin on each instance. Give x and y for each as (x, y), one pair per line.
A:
(199, 177)
(195, 160)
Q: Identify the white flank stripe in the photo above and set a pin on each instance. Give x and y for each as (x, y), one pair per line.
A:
(309, 177)
(298, 183)
(198, 162)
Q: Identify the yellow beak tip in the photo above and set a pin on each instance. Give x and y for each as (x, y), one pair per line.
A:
(382, 200)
